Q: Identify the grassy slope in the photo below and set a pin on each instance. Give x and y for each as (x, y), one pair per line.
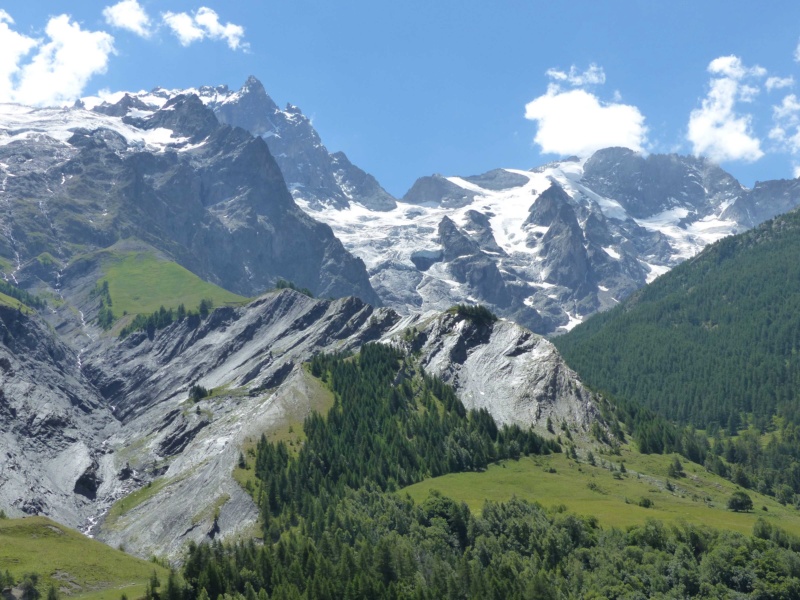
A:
(699, 497)
(13, 303)
(133, 500)
(140, 282)
(85, 568)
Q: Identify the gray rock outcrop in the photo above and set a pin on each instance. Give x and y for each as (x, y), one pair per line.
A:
(517, 376)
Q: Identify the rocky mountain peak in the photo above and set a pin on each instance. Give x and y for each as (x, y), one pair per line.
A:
(185, 115)
(647, 185)
(548, 206)
(439, 191)
(209, 196)
(454, 242)
(122, 107)
(253, 85)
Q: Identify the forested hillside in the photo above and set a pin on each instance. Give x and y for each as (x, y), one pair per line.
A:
(333, 529)
(713, 344)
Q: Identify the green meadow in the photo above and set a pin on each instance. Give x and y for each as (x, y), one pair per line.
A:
(140, 283)
(698, 497)
(78, 566)
(13, 303)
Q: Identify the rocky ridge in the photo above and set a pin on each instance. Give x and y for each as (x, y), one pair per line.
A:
(310, 170)
(130, 422)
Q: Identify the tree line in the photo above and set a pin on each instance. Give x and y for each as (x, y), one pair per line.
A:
(164, 317)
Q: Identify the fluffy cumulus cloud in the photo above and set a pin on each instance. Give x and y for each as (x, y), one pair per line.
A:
(53, 70)
(204, 24)
(575, 121)
(718, 129)
(15, 47)
(129, 15)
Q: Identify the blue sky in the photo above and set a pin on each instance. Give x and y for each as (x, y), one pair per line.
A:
(411, 88)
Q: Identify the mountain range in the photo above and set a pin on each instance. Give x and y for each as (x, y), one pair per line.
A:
(546, 247)
(129, 207)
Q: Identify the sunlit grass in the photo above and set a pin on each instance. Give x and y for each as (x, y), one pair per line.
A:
(140, 283)
(700, 497)
(71, 561)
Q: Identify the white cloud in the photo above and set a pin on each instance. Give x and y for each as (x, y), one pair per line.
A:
(577, 122)
(716, 129)
(204, 24)
(732, 67)
(60, 67)
(128, 14)
(183, 27)
(748, 93)
(594, 75)
(778, 83)
(786, 129)
(15, 47)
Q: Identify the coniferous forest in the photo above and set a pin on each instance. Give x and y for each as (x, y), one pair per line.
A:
(714, 345)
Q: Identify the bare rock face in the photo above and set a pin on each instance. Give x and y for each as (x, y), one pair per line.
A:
(311, 172)
(53, 425)
(516, 375)
(650, 185)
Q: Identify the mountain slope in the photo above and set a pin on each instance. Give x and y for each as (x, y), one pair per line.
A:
(252, 357)
(716, 338)
(72, 563)
(53, 425)
(85, 430)
(209, 196)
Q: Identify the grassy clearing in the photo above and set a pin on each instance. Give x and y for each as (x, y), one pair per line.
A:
(81, 567)
(133, 500)
(14, 303)
(699, 497)
(140, 283)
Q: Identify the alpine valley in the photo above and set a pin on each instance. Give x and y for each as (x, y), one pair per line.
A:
(227, 348)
